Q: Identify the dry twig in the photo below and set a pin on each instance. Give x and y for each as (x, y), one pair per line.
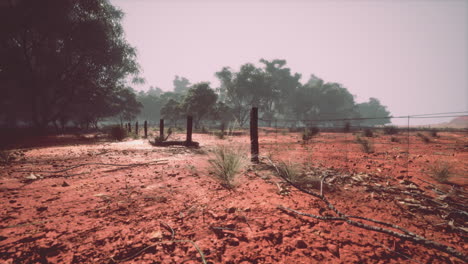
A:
(405, 234)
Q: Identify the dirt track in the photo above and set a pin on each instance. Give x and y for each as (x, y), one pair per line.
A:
(102, 213)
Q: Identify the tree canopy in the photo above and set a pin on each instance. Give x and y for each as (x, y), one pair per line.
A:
(57, 56)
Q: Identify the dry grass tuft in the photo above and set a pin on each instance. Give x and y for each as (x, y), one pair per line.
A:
(441, 171)
(227, 162)
(292, 172)
(366, 145)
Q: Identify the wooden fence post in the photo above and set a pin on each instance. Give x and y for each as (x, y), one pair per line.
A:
(129, 127)
(222, 128)
(146, 128)
(254, 135)
(161, 129)
(136, 128)
(189, 129)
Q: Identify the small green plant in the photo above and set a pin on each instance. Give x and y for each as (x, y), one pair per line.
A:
(368, 132)
(367, 146)
(441, 171)
(424, 137)
(390, 130)
(227, 163)
(118, 133)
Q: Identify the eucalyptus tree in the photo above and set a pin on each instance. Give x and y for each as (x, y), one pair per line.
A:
(54, 54)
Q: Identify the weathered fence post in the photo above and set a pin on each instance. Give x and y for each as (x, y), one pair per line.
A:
(161, 128)
(129, 127)
(222, 128)
(254, 135)
(146, 128)
(189, 129)
(136, 128)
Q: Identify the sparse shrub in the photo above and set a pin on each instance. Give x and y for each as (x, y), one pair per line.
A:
(434, 133)
(390, 130)
(368, 132)
(118, 133)
(227, 163)
(204, 129)
(395, 139)
(367, 146)
(424, 137)
(441, 171)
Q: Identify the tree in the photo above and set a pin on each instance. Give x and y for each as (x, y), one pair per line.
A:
(56, 53)
(245, 89)
(154, 91)
(282, 86)
(172, 110)
(373, 109)
(181, 85)
(151, 103)
(199, 101)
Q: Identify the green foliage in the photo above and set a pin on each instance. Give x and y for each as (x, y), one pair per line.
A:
(390, 130)
(441, 171)
(151, 104)
(366, 145)
(227, 163)
(117, 133)
(172, 110)
(61, 57)
(199, 101)
(181, 85)
(373, 109)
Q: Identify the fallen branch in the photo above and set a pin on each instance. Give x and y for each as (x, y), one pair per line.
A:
(406, 235)
(95, 163)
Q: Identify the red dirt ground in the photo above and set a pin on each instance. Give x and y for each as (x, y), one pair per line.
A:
(99, 213)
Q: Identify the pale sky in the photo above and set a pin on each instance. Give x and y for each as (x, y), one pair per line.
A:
(410, 54)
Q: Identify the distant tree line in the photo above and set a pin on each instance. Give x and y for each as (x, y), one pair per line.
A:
(272, 88)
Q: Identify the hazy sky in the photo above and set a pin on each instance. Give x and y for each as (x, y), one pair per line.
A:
(412, 55)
